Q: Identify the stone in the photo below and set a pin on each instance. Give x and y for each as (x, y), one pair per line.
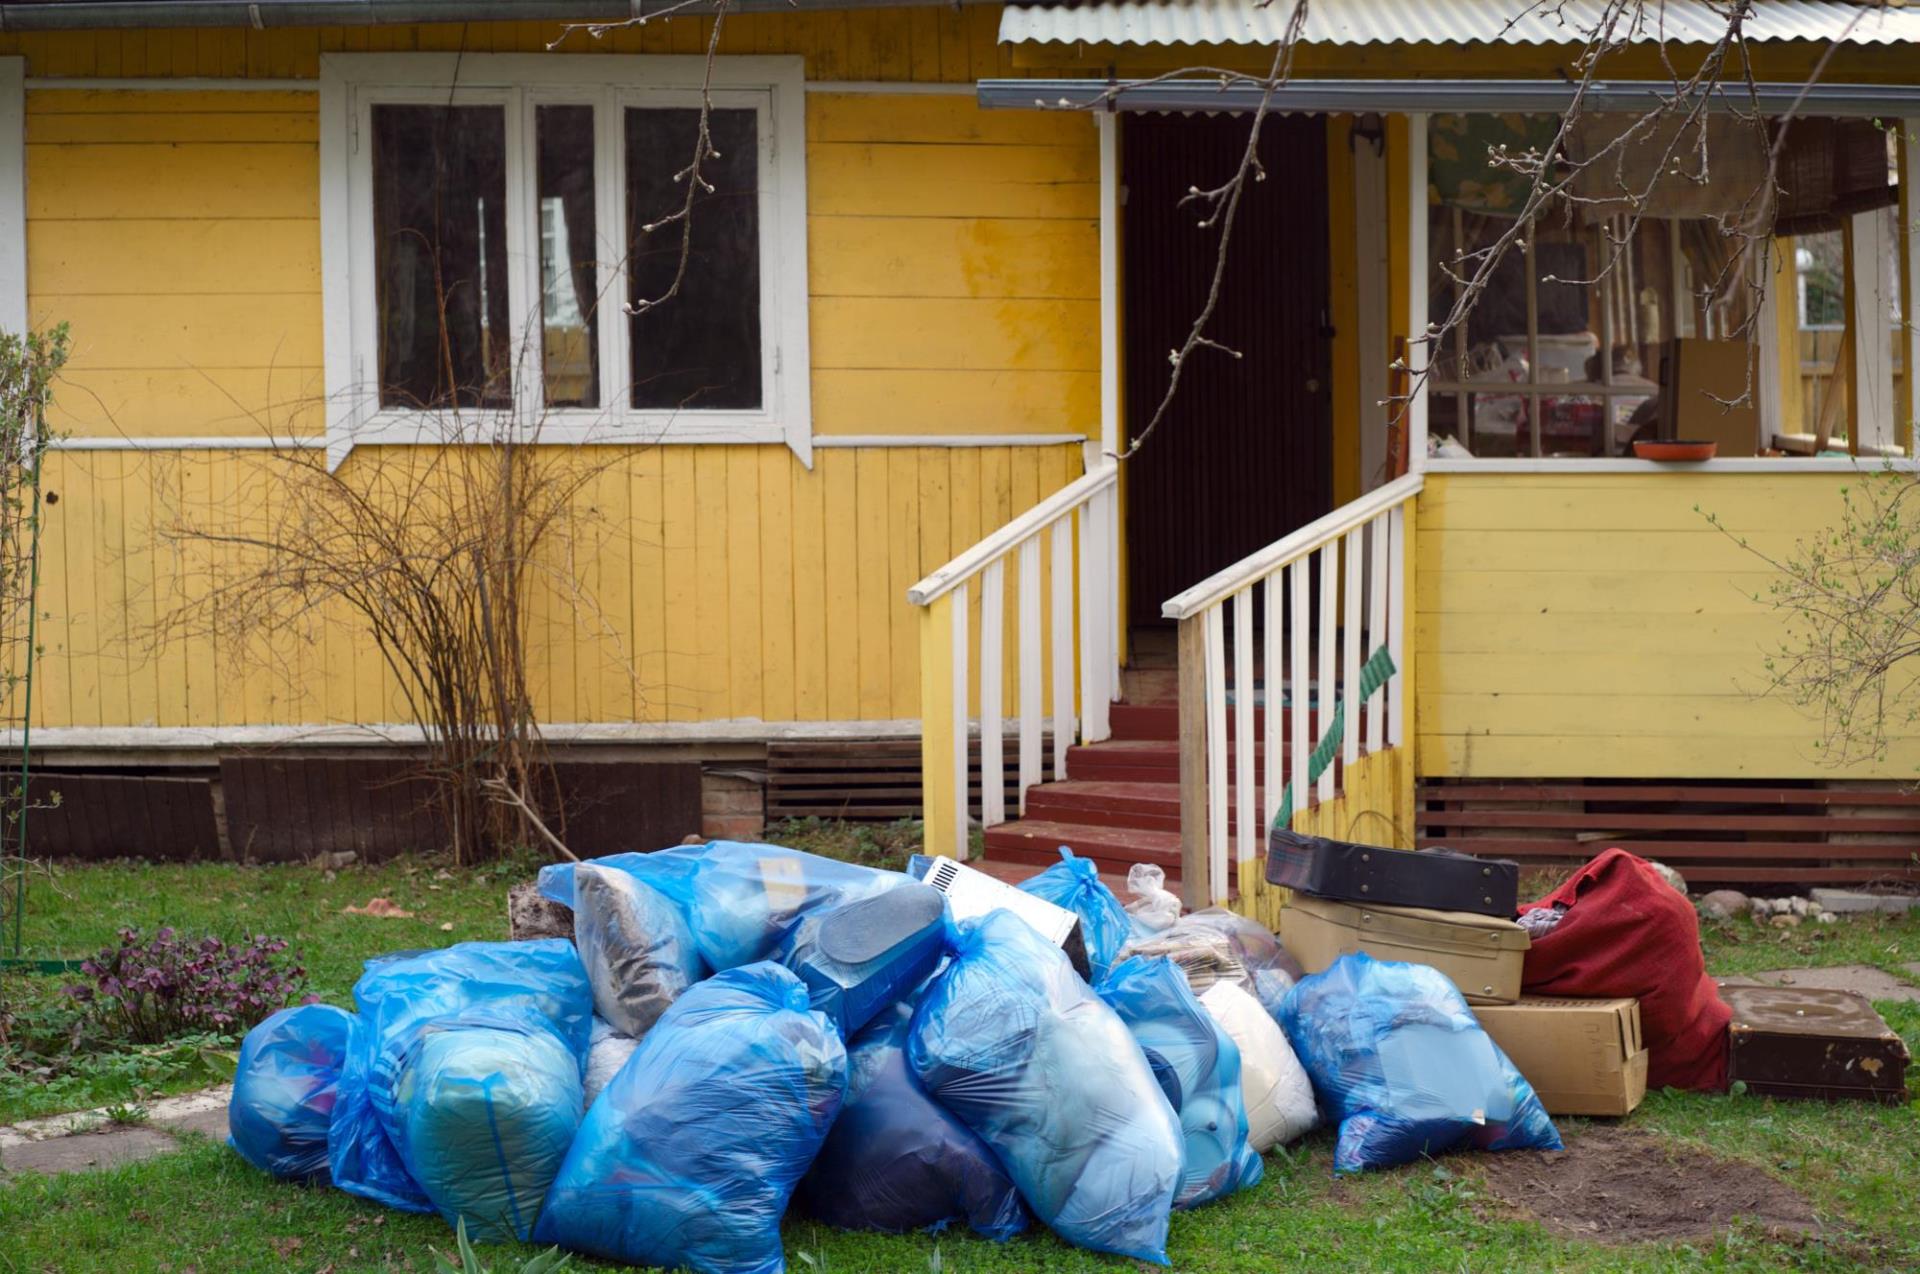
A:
(531, 915)
(1781, 906)
(85, 1152)
(338, 859)
(1827, 918)
(1851, 902)
(1786, 920)
(1723, 904)
(1797, 905)
(1861, 979)
(1669, 875)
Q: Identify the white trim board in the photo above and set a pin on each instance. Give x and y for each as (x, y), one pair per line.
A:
(248, 442)
(13, 195)
(350, 86)
(948, 440)
(208, 84)
(1706, 468)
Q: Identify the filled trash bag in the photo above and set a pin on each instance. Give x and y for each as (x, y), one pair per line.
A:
(1150, 904)
(1274, 1086)
(857, 959)
(1074, 883)
(284, 1090)
(484, 1116)
(1198, 1066)
(896, 1160)
(689, 1155)
(1271, 971)
(521, 986)
(738, 898)
(635, 945)
(1010, 1039)
(607, 1051)
(1624, 931)
(1397, 1057)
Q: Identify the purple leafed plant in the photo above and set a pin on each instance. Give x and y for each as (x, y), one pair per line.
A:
(155, 989)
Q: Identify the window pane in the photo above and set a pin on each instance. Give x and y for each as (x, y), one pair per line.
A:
(569, 294)
(702, 348)
(440, 255)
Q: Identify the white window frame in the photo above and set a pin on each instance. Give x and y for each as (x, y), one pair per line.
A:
(352, 83)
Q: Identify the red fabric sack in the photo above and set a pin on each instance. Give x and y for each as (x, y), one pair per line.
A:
(1627, 932)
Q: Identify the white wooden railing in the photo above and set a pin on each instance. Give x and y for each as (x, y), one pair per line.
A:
(1358, 555)
(1059, 609)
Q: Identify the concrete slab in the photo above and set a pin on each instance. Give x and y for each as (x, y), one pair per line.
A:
(85, 1152)
(164, 1112)
(1864, 979)
(1845, 902)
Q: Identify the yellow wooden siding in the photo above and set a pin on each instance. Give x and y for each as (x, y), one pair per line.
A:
(1595, 625)
(717, 583)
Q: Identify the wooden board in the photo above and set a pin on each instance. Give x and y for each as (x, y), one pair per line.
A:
(867, 780)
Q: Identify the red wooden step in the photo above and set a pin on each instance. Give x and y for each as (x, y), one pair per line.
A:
(1015, 873)
(1105, 803)
(1144, 760)
(1162, 720)
(1114, 849)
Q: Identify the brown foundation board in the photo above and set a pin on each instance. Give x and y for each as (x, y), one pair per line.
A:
(1789, 1041)
(1481, 954)
(1582, 1056)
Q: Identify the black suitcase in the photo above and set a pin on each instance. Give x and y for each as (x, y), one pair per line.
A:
(1438, 879)
(1803, 1042)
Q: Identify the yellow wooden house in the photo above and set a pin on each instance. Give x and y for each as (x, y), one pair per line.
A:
(868, 466)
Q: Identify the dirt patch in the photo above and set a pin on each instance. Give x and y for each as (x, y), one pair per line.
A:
(1619, 1185)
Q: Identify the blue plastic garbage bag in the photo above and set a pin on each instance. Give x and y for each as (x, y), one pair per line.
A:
(1010, 1039)
(1198, 1066)
(896, 1160)
(738, 898)
(1074, 883)
(690, 1153)
(1396, 1056)
(484, 1115)
(510, 986)
(284, 1090)
(636, 947)
(858, 959)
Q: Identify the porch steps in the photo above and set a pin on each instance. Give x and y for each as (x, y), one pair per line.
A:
(1120, 804)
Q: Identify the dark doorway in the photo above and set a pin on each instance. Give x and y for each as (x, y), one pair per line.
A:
(1245, 454)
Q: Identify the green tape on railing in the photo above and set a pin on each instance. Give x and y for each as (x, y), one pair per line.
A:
(1375, 673)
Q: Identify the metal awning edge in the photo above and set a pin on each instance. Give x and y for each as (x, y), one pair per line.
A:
(1353, 96)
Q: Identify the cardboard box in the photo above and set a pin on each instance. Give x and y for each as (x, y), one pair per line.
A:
(1697, 372)
(1584, 1057)
(1482, 954)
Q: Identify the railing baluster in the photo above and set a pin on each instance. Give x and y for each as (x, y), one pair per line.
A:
(1216, 759)
(1193, 762)
(1031, 674)
(993, 755)
(1093, 658)
(1272, 694)
(1060, 535)
(1299, 711)
(1396, 625)
(962, 842)
(1351, 603)
(1245, 771)
(1327, 657)
(1379, 547)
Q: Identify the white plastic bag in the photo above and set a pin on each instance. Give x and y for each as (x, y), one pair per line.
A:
(1149, 903)
(1278, 1092)
(606, 1054)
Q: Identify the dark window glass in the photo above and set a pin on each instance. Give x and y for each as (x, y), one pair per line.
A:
(700, 350)
(570, 354)
(440, 255)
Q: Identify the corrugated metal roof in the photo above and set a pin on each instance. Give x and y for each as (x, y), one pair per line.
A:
(1356, 22)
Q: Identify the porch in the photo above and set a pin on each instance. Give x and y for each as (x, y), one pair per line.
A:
(1517, 645)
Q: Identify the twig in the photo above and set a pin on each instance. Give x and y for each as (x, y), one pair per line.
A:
(506, 794)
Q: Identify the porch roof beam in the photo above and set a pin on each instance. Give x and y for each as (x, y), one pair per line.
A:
(1242, 93)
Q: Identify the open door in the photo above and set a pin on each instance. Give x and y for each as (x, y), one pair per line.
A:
(1245, 454)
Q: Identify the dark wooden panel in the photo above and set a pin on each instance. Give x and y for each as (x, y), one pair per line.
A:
(1688, 794)
(165, 817)
(1244, 455)
(871, 779)
(615, 806)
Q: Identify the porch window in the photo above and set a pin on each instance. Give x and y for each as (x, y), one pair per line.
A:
(497, 227)
(1598, 328)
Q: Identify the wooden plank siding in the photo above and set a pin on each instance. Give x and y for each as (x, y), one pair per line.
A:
(1597, 626)
(954, 288)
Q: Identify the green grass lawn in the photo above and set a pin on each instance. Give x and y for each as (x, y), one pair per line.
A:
(204, 1209)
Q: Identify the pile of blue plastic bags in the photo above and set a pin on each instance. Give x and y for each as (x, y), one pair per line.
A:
(739, 1028)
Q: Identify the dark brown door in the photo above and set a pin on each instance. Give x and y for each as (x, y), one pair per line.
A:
(1244, 455)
